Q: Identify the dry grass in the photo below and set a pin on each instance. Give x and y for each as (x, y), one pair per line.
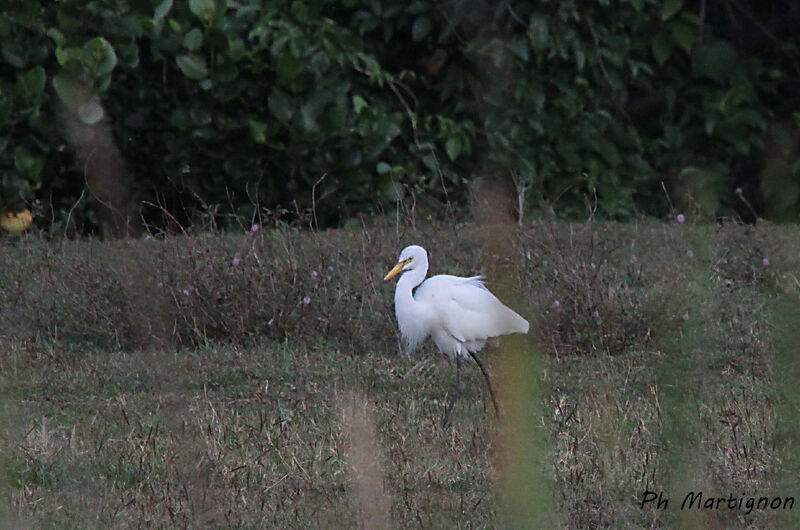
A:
(129, 402)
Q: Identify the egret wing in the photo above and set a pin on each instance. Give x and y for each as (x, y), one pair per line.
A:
(468, 310)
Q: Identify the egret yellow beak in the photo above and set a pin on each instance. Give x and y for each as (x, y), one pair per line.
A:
(397, 268)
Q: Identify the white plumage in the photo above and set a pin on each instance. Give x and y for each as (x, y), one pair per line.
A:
(460, 314)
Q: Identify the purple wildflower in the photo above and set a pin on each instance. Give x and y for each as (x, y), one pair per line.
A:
(690, 253)
(314, 274)
(185, 292)
(680, 218)
(254, 227)
(306, 300)
(765, 261)
(556, 304)
(595, 314)
(235, 261)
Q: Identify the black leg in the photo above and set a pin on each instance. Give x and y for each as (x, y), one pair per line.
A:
(488, 382)
(454, 393)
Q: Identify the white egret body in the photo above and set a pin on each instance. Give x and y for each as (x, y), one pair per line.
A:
(459, 313)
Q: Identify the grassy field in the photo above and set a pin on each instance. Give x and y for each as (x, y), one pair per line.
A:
(254, 380)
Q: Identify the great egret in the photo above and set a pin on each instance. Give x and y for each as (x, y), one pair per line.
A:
(459, 313)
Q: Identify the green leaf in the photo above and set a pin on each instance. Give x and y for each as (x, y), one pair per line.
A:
(453, 147)
(258, 131)
(31, 84)
(382, 168)
(352, 158)
(203, 9)
(68, 19)
(193, 39)
(608, 151)
(669, 8)
(218, 39)
(175, 25)
(661, 46)
(392, 12)
(580, 59)
(200, 116)
(286, 67)
(13, 185)
(299, 10)
(103, 56)
(72, 94)
(520, 49)
(161, 11)
(78, 99)
(28, 12)
(421, 28)
(417, 7)
(102, 83)
(56, 36)
(13, 54)
(497, 51)
(204, 133)
(39, 53)
(280, 105)
(683, 34)
(539, 32)
(27, 164)
(334, 118)
(129, 55)
(226, 72)
(71, 58)
(359, 104)
(394, 191)
(387, 129)
(192, 65)
(308, 121)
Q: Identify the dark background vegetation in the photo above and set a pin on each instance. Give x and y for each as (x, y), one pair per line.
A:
(220, 108)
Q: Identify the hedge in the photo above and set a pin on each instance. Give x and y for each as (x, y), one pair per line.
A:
(215, 111)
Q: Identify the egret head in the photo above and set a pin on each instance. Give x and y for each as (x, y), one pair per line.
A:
(411, 258)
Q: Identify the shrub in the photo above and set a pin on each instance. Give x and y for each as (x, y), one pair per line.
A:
(614, 287)
(345, 107)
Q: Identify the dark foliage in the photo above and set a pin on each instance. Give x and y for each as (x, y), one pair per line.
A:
(346, 107)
